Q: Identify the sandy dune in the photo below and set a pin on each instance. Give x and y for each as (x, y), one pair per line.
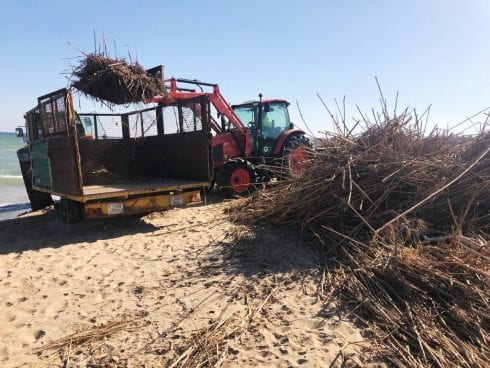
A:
(173, 274)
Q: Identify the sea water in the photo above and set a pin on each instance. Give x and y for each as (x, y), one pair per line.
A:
(13, 196)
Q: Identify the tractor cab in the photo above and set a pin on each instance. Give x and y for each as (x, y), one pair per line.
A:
(267, 121)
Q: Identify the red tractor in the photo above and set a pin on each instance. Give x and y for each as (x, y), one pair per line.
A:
(248, 139)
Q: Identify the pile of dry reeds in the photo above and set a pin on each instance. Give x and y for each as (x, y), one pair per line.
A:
(363, 182)
(403, 217)
(425, 306)
(115, 80)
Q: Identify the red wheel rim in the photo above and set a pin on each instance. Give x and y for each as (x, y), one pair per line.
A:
(297, 161)
(240, 180)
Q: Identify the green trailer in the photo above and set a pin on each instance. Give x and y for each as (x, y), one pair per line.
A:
(108, 164)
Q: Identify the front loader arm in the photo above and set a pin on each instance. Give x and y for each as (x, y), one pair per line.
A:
(218, 101)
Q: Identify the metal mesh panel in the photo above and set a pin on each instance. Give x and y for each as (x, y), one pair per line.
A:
(170, 120)
(150, 123)
(61, 113)
(48, 117)
(109, 127)
(187, 119)
(54, 115)
(142, 124)
(191, 114)
(86, 125)
(101, 126)
(135, 121)
(34, 125)
(175, 118)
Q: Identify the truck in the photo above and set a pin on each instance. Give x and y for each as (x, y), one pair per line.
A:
(109, 164)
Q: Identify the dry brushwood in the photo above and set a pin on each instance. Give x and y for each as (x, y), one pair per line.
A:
(90, 335)
(404, 216)
(206, 348)
(426, 306)
(114, 80)
(377, 175)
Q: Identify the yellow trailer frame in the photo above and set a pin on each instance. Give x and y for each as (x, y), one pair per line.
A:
(140, 204)
(135, 197)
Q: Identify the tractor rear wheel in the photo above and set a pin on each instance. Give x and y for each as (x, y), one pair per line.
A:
(295, 153)
(237, 178)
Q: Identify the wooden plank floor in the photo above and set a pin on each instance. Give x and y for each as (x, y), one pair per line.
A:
(138, 187)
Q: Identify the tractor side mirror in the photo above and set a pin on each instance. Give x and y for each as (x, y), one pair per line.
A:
(19, 132)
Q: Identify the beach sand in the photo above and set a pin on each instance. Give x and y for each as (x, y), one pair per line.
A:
(171, 274)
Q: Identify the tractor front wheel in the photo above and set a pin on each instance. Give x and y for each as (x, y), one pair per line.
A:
(237, 178)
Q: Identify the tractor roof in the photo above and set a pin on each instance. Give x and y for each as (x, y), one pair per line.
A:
(271, 100)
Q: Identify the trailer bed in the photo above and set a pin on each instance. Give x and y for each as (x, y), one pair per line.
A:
(138, 186)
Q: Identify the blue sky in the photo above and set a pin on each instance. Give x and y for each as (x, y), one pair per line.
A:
(430, 51)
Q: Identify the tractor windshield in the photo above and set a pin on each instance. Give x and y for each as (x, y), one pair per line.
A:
(275, 119)
(274, 122)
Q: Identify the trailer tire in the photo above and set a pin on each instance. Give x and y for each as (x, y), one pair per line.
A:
(68, 211)
(237, 177)
(38, 200)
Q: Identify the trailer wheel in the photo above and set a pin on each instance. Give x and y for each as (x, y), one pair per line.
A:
(237, 178)
(38, 200)
(68, 211)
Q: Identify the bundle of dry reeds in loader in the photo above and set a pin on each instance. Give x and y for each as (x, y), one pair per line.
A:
(403, 218)
(115, 80)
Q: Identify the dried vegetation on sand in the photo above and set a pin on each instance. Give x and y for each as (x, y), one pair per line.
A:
(403, 218)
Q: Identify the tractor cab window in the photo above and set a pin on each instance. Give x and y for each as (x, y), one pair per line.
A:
(246, 114)
(275, 119)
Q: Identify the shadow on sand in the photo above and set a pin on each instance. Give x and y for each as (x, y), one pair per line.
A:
(268, 251)
(43, 229)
